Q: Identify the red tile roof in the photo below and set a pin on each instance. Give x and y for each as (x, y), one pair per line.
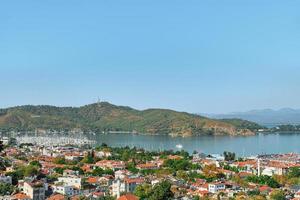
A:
(128, 197)
(21, 196)
(56, 197)
(92, 180)
(264, 188)
(134, 180)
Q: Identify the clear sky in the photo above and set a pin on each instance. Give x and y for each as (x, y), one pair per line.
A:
(198, 56)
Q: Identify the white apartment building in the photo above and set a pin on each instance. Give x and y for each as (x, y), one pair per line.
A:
(70, 181)
(35, 190)
(216, 187)
(118, 187)
(66, 190)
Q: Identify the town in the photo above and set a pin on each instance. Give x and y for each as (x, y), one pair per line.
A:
(33, 171)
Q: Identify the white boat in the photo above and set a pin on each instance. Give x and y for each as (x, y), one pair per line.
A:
(179, 146)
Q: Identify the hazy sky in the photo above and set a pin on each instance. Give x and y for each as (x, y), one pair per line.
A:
(196, 56)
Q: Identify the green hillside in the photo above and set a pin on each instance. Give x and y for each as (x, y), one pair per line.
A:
(107, 117)
(240, 123)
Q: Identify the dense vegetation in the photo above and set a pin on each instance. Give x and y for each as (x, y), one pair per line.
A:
(161, 191)
(239, 123)
(107, 117)
(263, 180)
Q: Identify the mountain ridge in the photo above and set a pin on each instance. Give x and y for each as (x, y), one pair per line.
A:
(105, 117)
(264, 116)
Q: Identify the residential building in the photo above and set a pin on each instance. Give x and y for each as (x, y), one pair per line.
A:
(65, 190)
(35, 190)
(118, 187)
(216, 187)
(71, 181)
(128, 197)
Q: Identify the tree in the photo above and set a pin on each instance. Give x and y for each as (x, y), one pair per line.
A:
(143, 191)
(210, 172)
(6, 189)
(131, 167)
(277, 195)
(98, 171)
(182, 164)
(1, 146)
(229, 156)
(35, 163)
(15, 175)
(182, 175)
(270, 181)
(88, 158)
(59, 160)
(196, 198)
(106, 198)
(258, 197)
(161, 191)
(59, 170)
(4, 162)
(30, 171)
(253, 192)
(294, 172)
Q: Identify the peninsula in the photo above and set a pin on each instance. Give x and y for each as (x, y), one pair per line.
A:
(106, 117)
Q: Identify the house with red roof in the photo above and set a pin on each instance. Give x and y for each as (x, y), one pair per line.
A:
(111, 164)
(265, 189)
(147, 166)
(128, 197)
(21, 196)
(57, 197)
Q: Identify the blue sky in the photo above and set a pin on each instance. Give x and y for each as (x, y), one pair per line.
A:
(196, 56)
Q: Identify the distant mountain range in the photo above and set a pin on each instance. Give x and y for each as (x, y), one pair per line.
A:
(266, 117)
(106, 117)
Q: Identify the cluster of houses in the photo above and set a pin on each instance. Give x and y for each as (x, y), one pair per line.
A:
(121, 184)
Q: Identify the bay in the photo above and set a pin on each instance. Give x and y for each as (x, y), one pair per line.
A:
(241, 145)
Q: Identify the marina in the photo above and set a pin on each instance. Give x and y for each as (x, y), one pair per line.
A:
(54, 141)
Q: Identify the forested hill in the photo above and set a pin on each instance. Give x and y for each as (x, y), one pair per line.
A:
(107, 117)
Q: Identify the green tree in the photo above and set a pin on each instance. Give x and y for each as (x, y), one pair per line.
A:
(131, 167)
(30, 171)
(35, 163)
(106, 198)
(253, 192)
(196, 198)
(60, 161)
(277, 195)
(16, 175)
(98, 171)
(294, 172)
(143, 191)
(182, 175)
(89, 158)
(161, 191)
(1, 146)
(182, 164)
(270, 181)
(59, 170)
(229, 156)
(6, 189)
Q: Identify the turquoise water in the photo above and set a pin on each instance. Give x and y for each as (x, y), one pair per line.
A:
(242, 145)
